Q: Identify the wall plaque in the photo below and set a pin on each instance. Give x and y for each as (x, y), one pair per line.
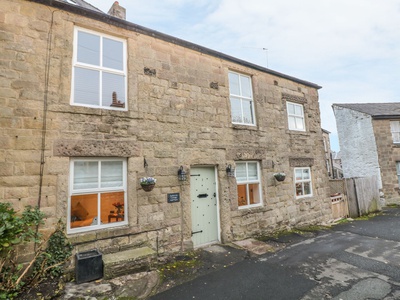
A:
(172, 198)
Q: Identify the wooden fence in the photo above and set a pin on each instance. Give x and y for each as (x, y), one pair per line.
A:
(354, 197)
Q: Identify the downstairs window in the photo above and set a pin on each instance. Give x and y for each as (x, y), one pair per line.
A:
(97, 194)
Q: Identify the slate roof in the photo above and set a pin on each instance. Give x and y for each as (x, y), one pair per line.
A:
(81, 3)
(82, 7)
(375, 110)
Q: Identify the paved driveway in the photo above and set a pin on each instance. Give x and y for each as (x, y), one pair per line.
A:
(356, 260)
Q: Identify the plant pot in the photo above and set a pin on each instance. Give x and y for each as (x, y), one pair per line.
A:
(280, 178)
(147, 187)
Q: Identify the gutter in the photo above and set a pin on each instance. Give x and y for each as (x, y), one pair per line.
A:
(103, 17)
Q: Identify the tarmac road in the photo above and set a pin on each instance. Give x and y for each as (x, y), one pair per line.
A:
(356, 260)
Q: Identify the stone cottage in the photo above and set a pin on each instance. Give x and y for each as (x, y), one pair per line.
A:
(369, 138)
(91, 104)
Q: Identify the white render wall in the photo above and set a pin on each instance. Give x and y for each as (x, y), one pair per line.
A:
(357, 144)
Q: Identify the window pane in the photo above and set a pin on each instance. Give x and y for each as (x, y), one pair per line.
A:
(252, 171)
(299, 189)
(234, 84)
(85, 175)
(84, 210)
(247, 112)
(112, 207)
(242, 195)
(299, 123)
(88, 48)
(398, 168)
(241, 172)
(306, 174)
(236, 108)
(246, 86)
(307, 188)
(86, 86)
(292, 123)
(113, 54)
(111, 174)
(254, 194)
(298, 110)
(113, 83)
(298, 174)
(290, 108)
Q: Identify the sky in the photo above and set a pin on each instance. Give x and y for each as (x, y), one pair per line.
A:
(350, 48)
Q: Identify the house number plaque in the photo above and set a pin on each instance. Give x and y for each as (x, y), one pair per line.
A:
(172, 198)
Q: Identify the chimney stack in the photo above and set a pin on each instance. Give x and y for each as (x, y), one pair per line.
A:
(117, 11)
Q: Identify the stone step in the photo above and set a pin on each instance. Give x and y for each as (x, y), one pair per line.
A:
(128, 262)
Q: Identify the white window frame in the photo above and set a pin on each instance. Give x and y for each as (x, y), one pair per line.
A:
(99, 68)
(395, 131)
(98, 191)
(296, 117)
(302, 181)
(398, 171)
(242, 99)
(247, 182)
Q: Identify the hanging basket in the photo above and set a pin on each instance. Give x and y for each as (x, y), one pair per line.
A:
(147, 187)
(280, 176)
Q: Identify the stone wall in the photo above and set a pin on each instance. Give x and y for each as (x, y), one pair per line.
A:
(178, 114)
(388, 154)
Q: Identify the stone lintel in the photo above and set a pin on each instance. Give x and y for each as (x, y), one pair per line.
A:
(99, 148)
(301, 162)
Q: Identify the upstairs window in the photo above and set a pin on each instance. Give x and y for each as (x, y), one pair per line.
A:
(241, 96)
(395, 130)
(99, 70)
(295, 116)
(248, 184)
(303, 184)
(97, 194)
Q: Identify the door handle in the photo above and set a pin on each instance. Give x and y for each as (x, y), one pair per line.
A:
(202, 195)
(194, 232)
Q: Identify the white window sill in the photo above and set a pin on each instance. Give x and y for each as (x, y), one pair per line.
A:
(250, 206)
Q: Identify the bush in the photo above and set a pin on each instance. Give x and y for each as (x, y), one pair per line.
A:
(15, 230)
(48, 263)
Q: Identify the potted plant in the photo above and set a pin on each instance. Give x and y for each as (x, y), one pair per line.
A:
(280, 176)
(147, 183)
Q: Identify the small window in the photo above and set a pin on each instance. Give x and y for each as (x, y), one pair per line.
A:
(303, 182)
(395, 130)
(241, 96)
(248, 184)
(295, 116)
(398, 171)
(97, 194)
(99, 71)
